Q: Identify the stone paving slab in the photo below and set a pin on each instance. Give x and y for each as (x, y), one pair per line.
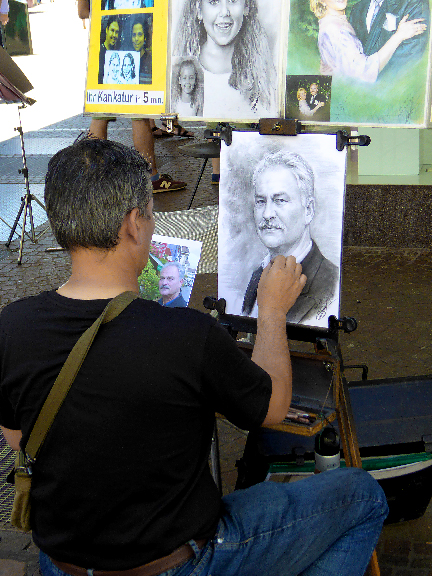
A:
(12, 568)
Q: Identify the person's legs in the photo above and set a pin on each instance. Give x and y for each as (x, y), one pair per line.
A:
(215, 170)
(143, 141)
(326, 525)
(99, 128)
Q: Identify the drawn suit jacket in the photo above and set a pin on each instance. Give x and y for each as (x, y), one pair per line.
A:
(409, 50)
(318, 98)
(322, 277)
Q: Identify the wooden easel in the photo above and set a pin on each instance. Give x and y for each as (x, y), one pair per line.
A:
(327, 351)
(333, 387)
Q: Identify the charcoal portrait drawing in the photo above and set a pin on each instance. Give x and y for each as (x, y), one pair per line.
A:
(281, 195)
(235, 44)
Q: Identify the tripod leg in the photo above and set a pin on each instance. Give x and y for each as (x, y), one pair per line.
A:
(15, 224)
(32, 228)
(197, 184)
(26, 206)
(38, 202)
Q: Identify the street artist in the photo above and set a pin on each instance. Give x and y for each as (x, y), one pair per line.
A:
(122, 485)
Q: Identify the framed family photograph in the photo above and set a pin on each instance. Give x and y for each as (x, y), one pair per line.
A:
(285, 195)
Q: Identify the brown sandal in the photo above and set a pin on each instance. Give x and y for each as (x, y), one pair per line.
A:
(161, 133)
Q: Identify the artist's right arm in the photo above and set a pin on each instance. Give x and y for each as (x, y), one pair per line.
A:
(279, 287)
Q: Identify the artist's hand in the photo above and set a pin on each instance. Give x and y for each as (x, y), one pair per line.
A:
(280, 285)
(4, 19)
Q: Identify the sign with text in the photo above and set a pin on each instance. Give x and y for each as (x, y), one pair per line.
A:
(127, 39)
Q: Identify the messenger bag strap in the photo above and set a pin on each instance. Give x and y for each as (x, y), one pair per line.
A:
(68, 373)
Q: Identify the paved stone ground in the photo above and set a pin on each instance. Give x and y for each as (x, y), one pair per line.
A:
(387, 291)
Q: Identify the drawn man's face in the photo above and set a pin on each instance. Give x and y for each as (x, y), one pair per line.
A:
(187, 79)
(112, 34)
(138, 37)
(115, 68)
(222, 19)
(170, 283)
(280, 216)
(313, 89)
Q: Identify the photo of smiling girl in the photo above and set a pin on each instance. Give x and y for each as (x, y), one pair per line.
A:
(187, 89)
(228, 40)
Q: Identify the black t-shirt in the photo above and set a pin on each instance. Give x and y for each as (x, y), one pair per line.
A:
(123, 476)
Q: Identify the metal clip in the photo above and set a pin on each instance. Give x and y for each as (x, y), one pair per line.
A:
(24, 464)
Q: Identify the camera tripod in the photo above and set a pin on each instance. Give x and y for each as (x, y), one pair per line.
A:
(26, 201)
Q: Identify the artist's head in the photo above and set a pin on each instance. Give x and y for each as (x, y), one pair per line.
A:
(284, 201)
(171, 280)
(139, 35)
(90, 188)
(301, 94)
(112, 33)
(128, 67)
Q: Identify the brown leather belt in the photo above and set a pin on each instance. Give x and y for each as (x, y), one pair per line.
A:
(176, 558)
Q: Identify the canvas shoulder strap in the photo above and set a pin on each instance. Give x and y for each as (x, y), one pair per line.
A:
(69, 371)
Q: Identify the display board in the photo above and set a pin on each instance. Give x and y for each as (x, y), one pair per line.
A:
(284, 196)
(127, 61)
(321, 62)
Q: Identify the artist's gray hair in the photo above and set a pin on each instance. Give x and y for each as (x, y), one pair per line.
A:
(177, 265)
(89, 189)
(297, 164)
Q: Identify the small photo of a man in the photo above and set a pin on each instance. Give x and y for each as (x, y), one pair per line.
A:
(170, 284)
(169, 275)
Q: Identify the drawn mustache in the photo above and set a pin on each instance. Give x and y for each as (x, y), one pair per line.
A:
(268, 226)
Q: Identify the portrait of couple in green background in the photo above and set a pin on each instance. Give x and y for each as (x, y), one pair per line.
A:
(375, 53)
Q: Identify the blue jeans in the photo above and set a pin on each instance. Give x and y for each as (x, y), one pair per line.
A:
(326, 525)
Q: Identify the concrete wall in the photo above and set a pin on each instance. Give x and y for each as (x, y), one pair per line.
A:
(393, 151)
(388, 216)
